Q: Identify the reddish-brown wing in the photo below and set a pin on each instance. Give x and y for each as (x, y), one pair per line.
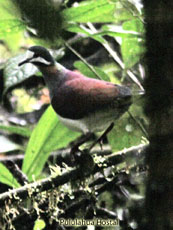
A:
(80, 96)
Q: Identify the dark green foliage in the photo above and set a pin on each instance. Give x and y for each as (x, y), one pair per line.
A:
(39, 16)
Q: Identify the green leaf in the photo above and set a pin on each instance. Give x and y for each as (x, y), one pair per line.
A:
(7, 178)
(75, 28)
(11, 26)
(85, 70)
(39, 224)
(126, 132)
(91, 11)
(13, 74)
(122, 13)
(132, 48)
(134, 25)
(25, 132)
(109, 30)
(6, 145)
(7, 10)
(48, 135)
(132, 6)
(111, 70)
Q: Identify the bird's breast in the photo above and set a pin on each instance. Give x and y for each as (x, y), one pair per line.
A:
(95, 122)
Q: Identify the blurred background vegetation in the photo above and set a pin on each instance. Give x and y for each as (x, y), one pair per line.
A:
(102, 39)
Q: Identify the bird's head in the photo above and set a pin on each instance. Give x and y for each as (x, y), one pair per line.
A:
(38, 56)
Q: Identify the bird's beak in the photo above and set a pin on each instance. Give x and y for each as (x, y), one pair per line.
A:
(29, 57)
(25, 61)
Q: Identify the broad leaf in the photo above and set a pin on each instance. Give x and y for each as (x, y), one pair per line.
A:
(91, 11)
(134, 25)
(11, 28)
(48, 135)
(13, 74)
(132, 48)
(16, 129)
(76, 28)
(7, 178)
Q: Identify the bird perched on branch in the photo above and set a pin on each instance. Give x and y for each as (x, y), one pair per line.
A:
(83, 104)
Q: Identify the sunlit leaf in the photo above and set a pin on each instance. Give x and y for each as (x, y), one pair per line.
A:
(76, 28)
(134, 25)
(8, 10)
(10, 26)
(39, 224)
(91, 11)
(132, 48)
(16, 129)
(7, 178)
(122, 13)
(48, 135)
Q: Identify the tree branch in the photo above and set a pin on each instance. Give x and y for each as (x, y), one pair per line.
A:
(53, 182)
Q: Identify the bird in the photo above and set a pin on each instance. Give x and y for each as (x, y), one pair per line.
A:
(83, 104)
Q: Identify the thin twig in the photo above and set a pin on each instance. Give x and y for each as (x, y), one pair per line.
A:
(82, 59)
(139, 125)
(116, 57)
